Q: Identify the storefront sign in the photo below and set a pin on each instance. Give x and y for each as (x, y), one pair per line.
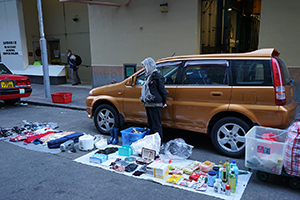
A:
(10, 48)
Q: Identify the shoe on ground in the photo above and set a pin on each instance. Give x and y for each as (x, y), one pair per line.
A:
(75, 84)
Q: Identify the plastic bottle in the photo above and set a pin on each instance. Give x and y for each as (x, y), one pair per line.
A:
(217, 185)
(221, 170)
(235, 169)
(232, 181)
(226, 164)
(224, 180)
(227, 190)
(220, 164)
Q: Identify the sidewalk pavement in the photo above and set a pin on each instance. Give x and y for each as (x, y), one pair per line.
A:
(79, 94)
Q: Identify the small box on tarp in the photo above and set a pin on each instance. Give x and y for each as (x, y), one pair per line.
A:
(98, 158)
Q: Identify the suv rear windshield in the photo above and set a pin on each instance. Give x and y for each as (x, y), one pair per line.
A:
(284, 71)
(251, 72)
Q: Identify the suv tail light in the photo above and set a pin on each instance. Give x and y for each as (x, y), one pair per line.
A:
(23, 83)
(280, 98)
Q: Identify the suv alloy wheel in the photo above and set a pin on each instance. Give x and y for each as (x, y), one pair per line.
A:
(228, 136)
(105, 118)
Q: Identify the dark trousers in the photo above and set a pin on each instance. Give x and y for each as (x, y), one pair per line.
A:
(154, 120)
(75, 76)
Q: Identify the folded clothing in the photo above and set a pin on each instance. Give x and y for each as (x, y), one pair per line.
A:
(54, 136)
(31, 138)
(56, 143)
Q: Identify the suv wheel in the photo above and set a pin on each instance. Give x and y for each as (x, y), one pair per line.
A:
(228, 136)
(105, 118)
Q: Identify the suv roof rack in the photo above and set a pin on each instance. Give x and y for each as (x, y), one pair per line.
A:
(266, 52)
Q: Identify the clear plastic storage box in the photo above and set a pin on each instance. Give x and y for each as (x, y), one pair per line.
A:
(265, 154)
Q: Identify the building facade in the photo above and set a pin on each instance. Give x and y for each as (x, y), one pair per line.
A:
(114, 34)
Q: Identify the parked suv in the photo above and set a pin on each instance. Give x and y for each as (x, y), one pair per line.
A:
(222, 95)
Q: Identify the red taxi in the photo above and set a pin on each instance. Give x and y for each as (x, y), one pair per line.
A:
(13, 87)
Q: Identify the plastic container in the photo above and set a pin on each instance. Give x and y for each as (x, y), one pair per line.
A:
(128, 137)
(212, 175)
(125, 150)
(265, 155)
(218, 185)
(206, 166)
(61, 97)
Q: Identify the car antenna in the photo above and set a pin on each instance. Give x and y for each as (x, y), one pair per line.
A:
(173, 54)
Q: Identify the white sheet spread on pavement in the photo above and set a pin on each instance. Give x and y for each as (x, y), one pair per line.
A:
(34, 147)
(242, 180)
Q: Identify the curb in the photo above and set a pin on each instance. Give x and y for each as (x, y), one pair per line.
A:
(53, 105)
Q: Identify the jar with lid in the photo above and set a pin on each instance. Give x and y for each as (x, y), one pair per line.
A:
(212, 175)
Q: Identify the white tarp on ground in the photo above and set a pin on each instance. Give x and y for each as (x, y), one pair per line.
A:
(34, 147)
(243, 179)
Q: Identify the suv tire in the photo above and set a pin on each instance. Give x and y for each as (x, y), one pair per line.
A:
(228, 136)
(106, 118)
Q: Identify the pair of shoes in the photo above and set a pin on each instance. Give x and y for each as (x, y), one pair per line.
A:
(75, 84)
(79, 82)
(114, 132)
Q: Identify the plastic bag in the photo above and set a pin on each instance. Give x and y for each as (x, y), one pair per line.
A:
(178, 149)
(152, 141)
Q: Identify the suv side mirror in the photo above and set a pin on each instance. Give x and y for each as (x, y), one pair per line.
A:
(131, 81)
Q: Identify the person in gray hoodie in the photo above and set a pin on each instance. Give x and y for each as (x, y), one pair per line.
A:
(153, 95)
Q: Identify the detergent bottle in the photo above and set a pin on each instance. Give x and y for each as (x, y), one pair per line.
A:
(235, 168)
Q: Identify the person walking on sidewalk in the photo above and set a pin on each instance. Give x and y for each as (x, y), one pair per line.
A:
(153, 95)
(74, 68)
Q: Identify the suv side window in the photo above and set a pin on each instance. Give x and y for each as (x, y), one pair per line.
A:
(251, 73)
(205, 73)
(167, 70)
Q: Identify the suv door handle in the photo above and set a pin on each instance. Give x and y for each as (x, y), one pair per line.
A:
(216, 94)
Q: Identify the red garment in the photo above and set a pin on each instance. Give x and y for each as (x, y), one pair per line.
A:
(31, 138)
(269, 136)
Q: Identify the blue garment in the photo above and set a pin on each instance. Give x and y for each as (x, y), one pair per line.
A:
(72, 61)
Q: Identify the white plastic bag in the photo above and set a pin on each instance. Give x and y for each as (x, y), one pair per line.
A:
(152, 141)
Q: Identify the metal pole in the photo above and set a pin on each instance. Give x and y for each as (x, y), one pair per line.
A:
(43, 45)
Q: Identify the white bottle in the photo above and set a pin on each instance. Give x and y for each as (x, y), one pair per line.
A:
(218, 185)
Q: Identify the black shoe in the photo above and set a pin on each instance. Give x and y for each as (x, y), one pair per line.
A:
(79, 82)
(75, 84)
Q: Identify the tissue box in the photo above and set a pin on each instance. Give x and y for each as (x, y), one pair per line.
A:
(98, 158)
(158, 170)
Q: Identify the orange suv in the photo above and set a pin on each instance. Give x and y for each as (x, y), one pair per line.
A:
(222, 95)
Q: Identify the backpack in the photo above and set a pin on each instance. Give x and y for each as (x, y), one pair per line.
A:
(78, 60)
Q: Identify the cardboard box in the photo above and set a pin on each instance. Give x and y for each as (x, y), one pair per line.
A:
(98, 158)
(158, 170)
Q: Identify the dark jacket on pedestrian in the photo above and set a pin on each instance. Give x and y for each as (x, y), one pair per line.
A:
(157, 89)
